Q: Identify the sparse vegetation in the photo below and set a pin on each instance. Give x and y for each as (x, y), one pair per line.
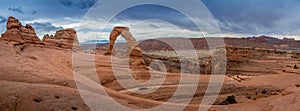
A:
(231, 99)
(296, 67)
(201, 53)
(264, 92)
(74, 108)
(228, 100)
(37, 100)
(248, 97)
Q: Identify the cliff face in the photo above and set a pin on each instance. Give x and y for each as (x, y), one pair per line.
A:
(16, 32)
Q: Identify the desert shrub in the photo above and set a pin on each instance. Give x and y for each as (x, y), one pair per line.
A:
(296, 67)
(264, 92)
(248, 96)
(231, 99)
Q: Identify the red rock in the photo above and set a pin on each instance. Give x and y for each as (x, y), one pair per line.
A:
(16, 32)
(132, 46)
(66, 38)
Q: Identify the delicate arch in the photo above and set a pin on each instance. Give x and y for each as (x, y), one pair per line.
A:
(132, 46)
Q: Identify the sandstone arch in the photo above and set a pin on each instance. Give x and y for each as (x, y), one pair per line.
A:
(132, 46)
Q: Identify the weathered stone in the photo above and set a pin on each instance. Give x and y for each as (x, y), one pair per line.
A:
(17, 33)
(66, 38)
(132, 46)
(133, 51)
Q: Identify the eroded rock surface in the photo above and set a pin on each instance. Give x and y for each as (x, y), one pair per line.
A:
(16, 32)
(132, 46)
(133, 51)
(66, 38)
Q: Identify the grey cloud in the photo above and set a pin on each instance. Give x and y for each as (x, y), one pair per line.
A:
(256, 16)
(16, 9)
(33, 12)
(81, 4)
(46, 27)
(2, 19)
(153, 26)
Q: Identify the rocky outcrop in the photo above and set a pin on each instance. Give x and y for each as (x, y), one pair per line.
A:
(239, 53)
(66, 39)
(237, 57)
(178, 65)
(132, 46)
(246, 53)
(133, 51)
(47, 36)
(16, 32)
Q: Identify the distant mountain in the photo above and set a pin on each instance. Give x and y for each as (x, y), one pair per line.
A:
(95, 42)
(201, 44)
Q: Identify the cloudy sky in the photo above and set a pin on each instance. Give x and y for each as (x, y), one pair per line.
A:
(235, 18)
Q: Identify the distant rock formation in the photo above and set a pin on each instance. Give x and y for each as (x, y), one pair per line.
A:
(133, 51)
(16, 32)
(132, 46)
(66, 38)
(201, 43)
(174, 64)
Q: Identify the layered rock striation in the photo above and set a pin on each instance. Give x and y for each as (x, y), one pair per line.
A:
(16, 32)
(65, 38)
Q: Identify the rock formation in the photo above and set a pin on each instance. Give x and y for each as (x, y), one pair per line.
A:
(47, 36)
(132, 46)
(16, 32)
(239, 53)
(246, 53)
(174, 64)
(66, 38)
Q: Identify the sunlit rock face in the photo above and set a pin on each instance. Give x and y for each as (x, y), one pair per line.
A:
(132, 46)
(65, 38)
(16, 32)
(133, 51)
